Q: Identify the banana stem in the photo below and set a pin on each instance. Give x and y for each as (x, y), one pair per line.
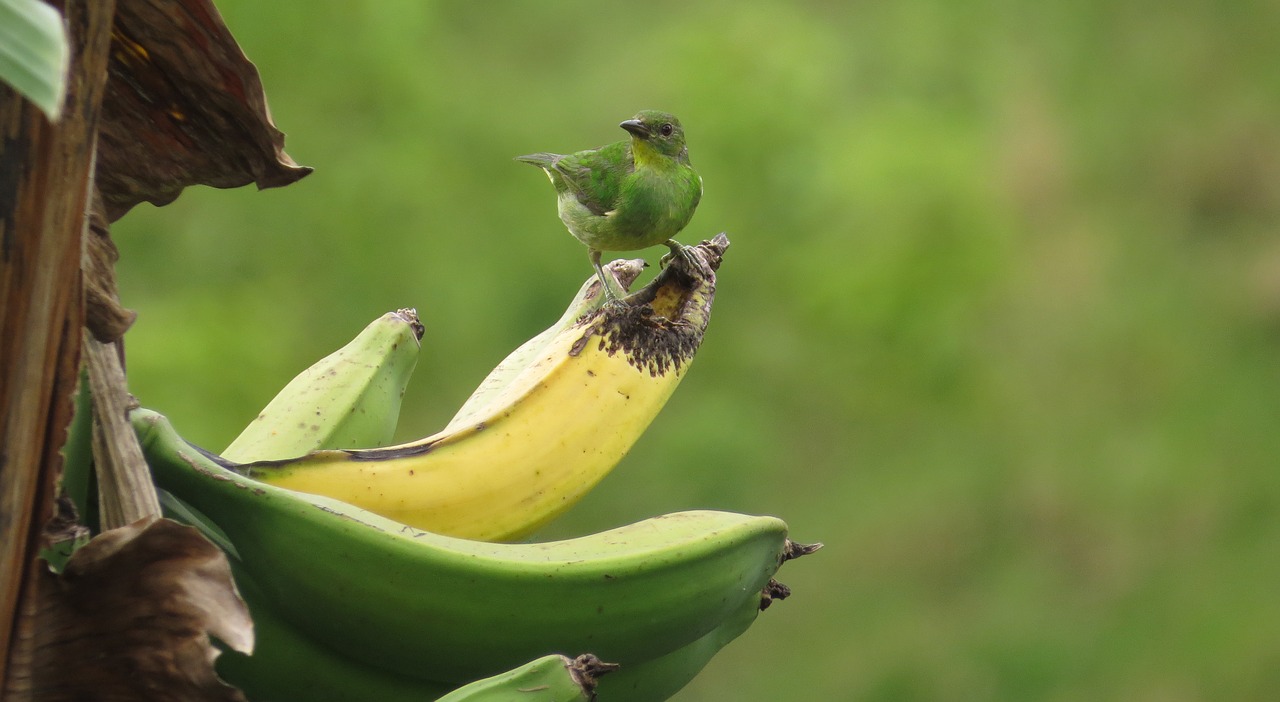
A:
(125, 490)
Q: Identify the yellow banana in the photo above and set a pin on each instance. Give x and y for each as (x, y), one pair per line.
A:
(547, 437)
(349, 398)
(588, 299)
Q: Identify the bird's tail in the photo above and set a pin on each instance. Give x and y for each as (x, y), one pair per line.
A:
(542, 160)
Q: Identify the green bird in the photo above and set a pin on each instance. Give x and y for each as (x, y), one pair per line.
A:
(629, 195)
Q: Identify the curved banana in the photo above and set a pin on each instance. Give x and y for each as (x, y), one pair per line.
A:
(454, 610)
(349, 398)
(589, 298)
(289, 666)
(553, 678)
(546, 438)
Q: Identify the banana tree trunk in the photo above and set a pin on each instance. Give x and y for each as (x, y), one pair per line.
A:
(46, 176)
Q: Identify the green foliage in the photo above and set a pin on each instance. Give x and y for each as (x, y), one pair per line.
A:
(33, 53)
(999, 323)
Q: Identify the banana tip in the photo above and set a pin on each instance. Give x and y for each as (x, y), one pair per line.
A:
(587, 669)
(774, 590)
(795, 550)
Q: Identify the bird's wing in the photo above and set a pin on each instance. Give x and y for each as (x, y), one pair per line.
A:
(595, 177)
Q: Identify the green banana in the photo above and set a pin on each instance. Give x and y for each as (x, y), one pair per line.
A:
(349, 398)
(588, 300)
(666, 675)
(286, 664)
(454, 610)
(547, 437)
(552, 678)
(289, 666)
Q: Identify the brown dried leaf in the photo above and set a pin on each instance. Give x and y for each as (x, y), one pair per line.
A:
(130, 617)
(104, 316)
(183, 106)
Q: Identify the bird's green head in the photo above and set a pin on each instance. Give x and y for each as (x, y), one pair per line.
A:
(656, 135)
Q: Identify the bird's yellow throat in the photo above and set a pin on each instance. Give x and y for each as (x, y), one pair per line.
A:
(646, 156)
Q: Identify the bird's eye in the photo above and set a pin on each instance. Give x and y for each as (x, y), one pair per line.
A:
(666, 129)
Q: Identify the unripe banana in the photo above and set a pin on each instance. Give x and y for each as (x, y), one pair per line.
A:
(289, 666)
(453, 610)
(662, 677)
(546, 438)
(309, 414)
(588, 299)
(553, 678)
(349, 398)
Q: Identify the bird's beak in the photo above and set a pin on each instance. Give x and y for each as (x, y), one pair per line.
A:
(636, 127)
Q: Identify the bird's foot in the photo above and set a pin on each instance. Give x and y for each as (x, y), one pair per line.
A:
(613, 292)
(678, 250)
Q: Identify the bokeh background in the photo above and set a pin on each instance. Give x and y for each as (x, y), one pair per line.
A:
(1000, 323)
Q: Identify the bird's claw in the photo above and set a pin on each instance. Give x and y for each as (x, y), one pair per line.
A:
(613, 293)
(677, 250)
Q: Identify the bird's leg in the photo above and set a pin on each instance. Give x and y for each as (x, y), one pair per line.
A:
(677, 249)
(610, 294)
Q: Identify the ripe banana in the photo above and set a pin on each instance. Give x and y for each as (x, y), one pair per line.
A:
(453, 610)
(349, 398)
(589, 298)
(546, 438)
(553, 678)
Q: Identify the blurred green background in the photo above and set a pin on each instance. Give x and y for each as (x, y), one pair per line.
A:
(1000, 323)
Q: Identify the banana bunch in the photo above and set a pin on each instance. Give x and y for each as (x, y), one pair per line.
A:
(353, 605)
(544, 428)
